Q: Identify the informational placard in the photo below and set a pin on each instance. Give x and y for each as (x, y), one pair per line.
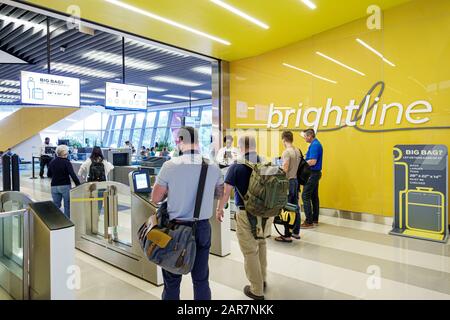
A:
(48, 89)
(421, 191)
(125, 97)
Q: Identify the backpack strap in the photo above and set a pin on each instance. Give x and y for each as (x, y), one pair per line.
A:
(200, 189)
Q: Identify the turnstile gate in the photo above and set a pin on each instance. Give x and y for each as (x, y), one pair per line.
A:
(106, 228)
(36, 248)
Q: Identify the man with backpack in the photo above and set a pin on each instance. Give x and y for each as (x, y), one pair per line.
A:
(179, 181)
(260, 194)
(291, 159)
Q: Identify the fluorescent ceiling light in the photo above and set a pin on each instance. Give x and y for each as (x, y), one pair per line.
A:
(101, 90)
(116, 59)
(375, 51)
(206, 92)
(174, 80)
(165, 20)
(339, 63)
(92, 96)
(156, 89)
(83, 82)
(28, 25)
(8, 100)
(9, 96)
(310, 4)
(202, 70)
(159, 101)
(87, 101)
(12, 83)
(309, 72)
(90, 72)
(9, 90)
(240, 13)
(156, 48)
(179, 97)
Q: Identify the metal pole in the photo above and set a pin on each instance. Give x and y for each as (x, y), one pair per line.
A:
(123, 60)
(48, 46)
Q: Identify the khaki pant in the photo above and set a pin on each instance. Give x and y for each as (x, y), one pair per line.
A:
(254, 251)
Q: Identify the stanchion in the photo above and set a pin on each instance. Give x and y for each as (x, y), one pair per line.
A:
(32, 167)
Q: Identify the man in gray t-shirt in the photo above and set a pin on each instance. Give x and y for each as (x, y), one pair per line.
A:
(178, 181)
(291, 160)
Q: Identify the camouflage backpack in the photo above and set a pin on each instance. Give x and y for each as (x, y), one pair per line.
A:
(267, 190)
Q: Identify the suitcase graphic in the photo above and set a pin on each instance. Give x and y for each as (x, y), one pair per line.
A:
(425, 210)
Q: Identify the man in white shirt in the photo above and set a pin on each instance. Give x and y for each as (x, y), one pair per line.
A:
(45, 156)
(228, 154)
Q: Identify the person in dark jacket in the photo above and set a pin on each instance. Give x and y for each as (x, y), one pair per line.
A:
(60, 170)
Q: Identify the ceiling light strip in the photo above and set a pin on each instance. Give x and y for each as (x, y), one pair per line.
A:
(159, 101)
(202, 70)
(180, 97)
(178, 81)
(309, 4)
(167, 21)
(339, 63)
(240, 13)
(375, 51)
(115, 59)
(205, 92)
(309, 72)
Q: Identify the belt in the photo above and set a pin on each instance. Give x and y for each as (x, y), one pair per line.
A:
(241, 207)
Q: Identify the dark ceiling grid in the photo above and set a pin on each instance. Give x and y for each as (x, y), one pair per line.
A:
(29, 45)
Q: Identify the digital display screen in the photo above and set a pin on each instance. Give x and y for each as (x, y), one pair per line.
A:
(48, 89)
(125, 97)
(141, 181)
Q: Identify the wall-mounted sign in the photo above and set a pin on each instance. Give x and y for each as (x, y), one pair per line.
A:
(48, 89)
(420, 191)
(125, 97)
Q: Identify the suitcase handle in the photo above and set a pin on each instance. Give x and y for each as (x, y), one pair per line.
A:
(424, 189)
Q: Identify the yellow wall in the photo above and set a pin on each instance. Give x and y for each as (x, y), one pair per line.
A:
(26, 122)
(358, 166)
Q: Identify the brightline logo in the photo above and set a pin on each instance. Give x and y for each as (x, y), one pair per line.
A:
(356, 115)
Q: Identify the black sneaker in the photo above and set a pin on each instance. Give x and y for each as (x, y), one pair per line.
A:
(249, 294)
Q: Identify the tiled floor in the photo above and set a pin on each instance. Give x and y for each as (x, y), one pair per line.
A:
(336, 260)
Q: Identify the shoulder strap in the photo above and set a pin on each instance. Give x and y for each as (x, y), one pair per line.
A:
(301, 153)
(201, 188)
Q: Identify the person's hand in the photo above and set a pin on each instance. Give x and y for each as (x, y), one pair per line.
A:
(219, 214)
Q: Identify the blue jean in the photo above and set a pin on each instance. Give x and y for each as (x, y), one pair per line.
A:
(200, 271)
(59, 193)
(310, 197)
(293, 199)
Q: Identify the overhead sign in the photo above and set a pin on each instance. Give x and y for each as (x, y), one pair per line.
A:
(126, 97)
(48, 89)
(420, 191)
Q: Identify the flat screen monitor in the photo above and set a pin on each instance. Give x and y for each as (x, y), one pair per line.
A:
(141, 182)
(50, 150)
(125, 97)
(120, 159)
(63, 142)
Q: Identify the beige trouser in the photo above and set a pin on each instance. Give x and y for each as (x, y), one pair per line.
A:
(254, 251)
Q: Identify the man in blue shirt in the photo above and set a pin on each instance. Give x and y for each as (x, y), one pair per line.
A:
(310, 194)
